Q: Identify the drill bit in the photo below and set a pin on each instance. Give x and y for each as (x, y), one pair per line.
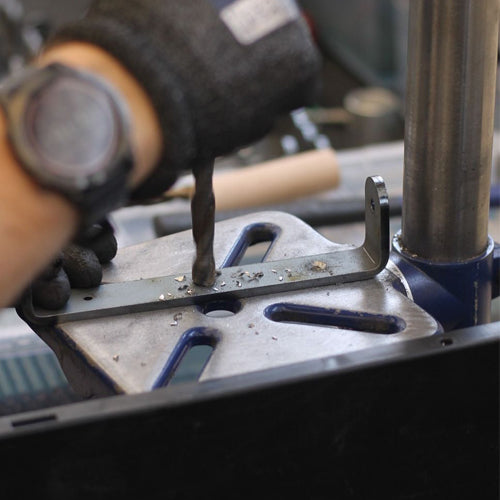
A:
(203, 218)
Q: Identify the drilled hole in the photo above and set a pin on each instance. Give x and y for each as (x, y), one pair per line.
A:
(446, 342)
(88, 297)
(221, 308)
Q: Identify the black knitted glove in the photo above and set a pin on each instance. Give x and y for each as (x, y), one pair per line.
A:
(78, 266)
(217, 71)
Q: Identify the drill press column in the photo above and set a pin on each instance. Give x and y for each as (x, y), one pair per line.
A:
(452, 63)
(443, 249)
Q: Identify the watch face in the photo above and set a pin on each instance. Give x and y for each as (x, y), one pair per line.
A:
(72, 128)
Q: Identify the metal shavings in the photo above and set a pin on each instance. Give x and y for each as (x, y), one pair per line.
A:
(251, 325)
(116, 357)
(174, 323)
(183, 287)
(180, 279)
(238, 284)
(256, 276)
(177, 316)
(274, 338)
(256, 332)
(223, 284)
(161, 297)
(318, 265)
(215, 289)
(280, 278)
(237, 274)
(288, 271)
(189, 291)
(274, 271)
(169, 294)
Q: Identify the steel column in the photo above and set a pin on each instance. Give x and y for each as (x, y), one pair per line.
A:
(452, 62)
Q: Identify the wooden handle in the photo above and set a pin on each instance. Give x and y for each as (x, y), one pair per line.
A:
(274, 181)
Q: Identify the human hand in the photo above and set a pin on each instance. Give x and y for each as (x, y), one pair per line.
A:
(78, 266)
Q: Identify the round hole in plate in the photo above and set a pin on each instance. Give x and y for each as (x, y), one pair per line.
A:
(221, 308)
(88, 297)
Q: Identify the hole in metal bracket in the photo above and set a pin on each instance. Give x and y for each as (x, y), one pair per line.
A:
(221, 308)
(336, 318)
(289, 274)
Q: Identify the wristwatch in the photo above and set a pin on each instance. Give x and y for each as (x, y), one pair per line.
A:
(69, 130)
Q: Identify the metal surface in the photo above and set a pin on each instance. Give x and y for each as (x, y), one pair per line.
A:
(136, 352)
(159, 292)
(452, 63)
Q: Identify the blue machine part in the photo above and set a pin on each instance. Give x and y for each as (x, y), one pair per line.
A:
(456, 294)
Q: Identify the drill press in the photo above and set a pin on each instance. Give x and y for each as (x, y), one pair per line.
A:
(443, 260)
(283, 397)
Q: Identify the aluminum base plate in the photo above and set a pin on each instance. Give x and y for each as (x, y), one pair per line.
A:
(137, 352)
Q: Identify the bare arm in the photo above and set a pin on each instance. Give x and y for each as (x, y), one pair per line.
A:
(36, 223)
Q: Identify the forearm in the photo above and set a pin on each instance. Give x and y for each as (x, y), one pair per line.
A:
(36, 223)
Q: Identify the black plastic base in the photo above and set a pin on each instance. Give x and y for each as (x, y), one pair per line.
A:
(414, 421)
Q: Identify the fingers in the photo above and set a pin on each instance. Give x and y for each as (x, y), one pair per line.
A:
(51, 290)
(82, 267)
(79, 266)
(101, 240)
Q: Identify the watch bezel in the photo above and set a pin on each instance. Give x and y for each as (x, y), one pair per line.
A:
(32, 84)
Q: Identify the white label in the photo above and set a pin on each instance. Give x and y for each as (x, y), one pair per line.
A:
(251, 20)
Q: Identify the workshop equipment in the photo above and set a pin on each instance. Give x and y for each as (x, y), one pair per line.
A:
(142, 282)
(383, 415)
(452, 64)
(150, 317)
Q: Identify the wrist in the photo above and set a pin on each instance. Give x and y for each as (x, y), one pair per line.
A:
(35, 223)
(22, 197)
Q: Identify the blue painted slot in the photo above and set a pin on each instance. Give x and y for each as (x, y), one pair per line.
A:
(250, 236)
(336, 318)
(182, 355)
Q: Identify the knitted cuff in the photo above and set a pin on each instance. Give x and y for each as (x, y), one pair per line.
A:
(216, 81)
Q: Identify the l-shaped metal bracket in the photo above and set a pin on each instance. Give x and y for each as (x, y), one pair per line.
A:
(353, 264)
